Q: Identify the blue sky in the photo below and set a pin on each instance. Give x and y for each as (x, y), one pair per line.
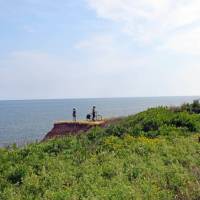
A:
(99, 48)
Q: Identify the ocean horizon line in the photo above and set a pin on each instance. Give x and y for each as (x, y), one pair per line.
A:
(84, 98)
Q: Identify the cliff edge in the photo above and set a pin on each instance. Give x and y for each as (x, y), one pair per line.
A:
(66, 128)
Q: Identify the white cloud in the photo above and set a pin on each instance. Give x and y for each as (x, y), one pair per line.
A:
(31, 74)
(97, 42)
(153, 21)
(185, 42)
(101, 73)
(127, 73)
(189, 77)
(105, 55)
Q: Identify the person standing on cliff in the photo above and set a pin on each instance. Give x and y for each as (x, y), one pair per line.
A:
(93, 113)
(74, 114)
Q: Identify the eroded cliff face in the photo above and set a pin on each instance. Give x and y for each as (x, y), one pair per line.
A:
(72, 128)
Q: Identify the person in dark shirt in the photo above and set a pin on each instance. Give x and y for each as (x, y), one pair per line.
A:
(74, 114)
(93, 113)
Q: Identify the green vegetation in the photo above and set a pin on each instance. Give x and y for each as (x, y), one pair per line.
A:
(191, 108)
(152, 155)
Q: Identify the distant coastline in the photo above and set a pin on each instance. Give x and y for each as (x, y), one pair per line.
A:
(24, 121)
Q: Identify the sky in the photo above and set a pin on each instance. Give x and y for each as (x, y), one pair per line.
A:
(99, 48)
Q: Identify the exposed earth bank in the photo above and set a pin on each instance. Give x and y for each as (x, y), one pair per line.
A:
(66, 128)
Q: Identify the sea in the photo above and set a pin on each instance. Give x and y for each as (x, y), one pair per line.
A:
(26, 121)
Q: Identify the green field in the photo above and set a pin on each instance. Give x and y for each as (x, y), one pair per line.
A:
(152, 155)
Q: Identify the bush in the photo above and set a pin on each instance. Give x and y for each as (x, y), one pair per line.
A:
(190, 108)
(155, 121)
(16, 176)
(151, 155)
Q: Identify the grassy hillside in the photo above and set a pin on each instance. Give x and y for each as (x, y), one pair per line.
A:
(152, 155)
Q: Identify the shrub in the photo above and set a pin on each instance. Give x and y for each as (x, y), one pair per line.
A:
(16, 176)
(151, 155)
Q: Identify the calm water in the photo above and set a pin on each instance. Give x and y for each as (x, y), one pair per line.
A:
(26, 121)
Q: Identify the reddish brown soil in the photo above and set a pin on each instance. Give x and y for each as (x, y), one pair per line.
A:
(67, 128)
(70, 128)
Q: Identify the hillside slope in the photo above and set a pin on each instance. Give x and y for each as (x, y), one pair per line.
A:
(152, 155)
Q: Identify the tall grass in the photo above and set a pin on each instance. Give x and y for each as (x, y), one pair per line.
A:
(152, 155)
